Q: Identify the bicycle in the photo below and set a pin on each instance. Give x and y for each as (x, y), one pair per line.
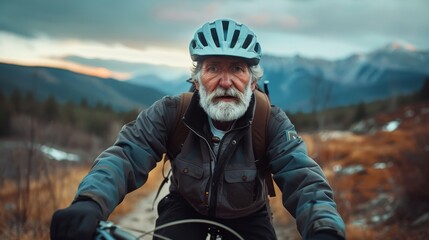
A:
(107, 230)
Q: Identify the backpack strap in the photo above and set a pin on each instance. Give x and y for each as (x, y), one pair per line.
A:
(180, 131)
(259, 137)
(259, 124)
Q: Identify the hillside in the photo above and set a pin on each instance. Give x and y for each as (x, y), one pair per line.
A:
(66, 86)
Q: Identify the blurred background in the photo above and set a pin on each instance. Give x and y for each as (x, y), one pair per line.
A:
(353, 76)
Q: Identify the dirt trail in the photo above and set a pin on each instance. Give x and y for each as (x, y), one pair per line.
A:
(143, 217)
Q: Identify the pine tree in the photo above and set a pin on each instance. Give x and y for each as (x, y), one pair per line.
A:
(424, 92)
(68, 113)
(84, 103)
(16, 101)
(5, 116)
(31, 105)
(360, 113)
(50, 109)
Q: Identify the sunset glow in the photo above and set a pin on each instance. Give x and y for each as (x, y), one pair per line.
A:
(43, 51)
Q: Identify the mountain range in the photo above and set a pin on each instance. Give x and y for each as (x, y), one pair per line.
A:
(66, 85)
(296, 84)
(304, 84)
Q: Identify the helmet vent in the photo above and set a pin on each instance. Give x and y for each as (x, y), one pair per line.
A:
(202, 39)
(225, 29)
(234, 38)
(193, 44)
(247, 41)
(257, 48)
(215, 37)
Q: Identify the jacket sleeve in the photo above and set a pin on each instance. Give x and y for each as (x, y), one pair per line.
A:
(306, 194)
(125, 165)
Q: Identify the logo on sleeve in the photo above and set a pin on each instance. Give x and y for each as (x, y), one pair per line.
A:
(292, 135)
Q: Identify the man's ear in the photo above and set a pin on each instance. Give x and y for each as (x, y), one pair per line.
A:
(253, 86)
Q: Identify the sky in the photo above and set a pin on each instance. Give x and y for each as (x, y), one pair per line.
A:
(122, 39)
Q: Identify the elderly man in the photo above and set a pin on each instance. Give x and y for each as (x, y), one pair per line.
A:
(215, 173)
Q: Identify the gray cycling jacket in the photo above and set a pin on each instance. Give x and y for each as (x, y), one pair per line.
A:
(235, 188)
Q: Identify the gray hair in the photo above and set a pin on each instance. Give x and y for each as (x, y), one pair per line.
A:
(256, 72)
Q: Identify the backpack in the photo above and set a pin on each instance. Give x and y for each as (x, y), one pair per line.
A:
(259, 136)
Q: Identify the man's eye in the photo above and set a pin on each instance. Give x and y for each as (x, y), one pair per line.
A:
(212, 69)
(238, 68)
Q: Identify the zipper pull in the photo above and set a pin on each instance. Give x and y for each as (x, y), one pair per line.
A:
(206, 199)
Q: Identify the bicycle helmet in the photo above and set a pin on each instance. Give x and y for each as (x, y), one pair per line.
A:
(225, 37)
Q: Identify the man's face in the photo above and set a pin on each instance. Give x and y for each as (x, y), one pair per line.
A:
(225, 87)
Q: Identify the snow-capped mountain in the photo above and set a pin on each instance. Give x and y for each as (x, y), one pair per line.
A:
(368, 68)
(303, 84)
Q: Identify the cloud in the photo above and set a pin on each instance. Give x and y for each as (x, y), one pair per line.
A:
(171, 24)
(130, 23)
(356, 19)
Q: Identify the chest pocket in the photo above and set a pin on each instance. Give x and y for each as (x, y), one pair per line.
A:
(191, 170)
(240, 188)
(240, 176)
(187, 169)
(190, 180)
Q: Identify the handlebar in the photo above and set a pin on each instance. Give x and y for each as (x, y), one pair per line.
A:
(108, 231)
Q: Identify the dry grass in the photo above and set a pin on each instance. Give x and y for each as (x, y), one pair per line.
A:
(50, 194)
(45, 196)
(406, 151)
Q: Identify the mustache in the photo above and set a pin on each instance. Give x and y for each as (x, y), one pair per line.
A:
(230, 92)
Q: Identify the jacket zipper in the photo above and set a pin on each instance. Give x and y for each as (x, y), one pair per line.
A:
(210, 200)
(207, 191)
(213, 197)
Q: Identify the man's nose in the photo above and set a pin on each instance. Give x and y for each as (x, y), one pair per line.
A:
(226, 80)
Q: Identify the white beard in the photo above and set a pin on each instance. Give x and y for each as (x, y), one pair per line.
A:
(225, 111)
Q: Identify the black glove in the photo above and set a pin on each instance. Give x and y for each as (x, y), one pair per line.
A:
(323, 235)
(79, 221)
